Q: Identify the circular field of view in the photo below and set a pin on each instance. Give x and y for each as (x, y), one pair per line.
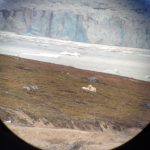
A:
(75, 75)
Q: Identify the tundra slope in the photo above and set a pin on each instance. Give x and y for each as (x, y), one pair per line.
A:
(114, 114)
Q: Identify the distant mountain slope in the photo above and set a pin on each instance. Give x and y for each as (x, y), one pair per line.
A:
(115, 22)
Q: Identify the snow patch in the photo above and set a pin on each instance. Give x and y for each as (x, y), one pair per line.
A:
(112, 71)
(70, 54)
(43, 55)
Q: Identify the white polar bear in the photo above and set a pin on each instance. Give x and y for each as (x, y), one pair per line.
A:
(90, 88)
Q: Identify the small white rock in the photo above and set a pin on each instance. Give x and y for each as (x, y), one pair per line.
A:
(27, 88)
(8, 121)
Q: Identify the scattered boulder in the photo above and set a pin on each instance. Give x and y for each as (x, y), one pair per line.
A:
(26, 88)
(93, 79)
(24, 68)
(6, 92)
(34, 87)
(75, 145)
(31, 88)
(147, 105)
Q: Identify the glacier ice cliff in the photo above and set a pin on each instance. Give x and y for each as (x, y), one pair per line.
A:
(116, 22)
